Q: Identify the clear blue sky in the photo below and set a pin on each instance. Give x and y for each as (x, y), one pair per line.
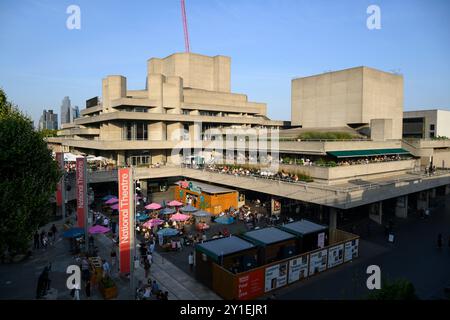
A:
(270, 42)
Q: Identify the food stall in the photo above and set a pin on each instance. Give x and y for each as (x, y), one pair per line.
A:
(208, 197)
(273, 244)
(231, 253)
(310, 235)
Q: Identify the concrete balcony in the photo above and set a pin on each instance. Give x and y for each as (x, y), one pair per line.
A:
(79, 132)
(342, 174)
(143, 116)
(91, 110)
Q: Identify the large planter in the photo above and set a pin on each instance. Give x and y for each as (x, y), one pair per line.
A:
(109, 292)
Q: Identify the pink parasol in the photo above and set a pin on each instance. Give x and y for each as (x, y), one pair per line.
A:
(184, 184)
(180, 217)
(175, 203)
(153, 206)
(98, 229)
(115, 206)
(112, 201)
(153, 222)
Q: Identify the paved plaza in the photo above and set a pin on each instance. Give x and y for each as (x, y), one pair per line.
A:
(413, 256)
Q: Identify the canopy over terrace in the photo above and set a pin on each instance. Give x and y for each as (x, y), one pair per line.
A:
(367, 153)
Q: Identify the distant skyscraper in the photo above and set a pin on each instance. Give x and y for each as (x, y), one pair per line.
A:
(48, 120)
(66, 111)
(75, 113)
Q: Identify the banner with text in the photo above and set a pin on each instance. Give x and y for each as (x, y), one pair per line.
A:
(81, 191)
(125, 220)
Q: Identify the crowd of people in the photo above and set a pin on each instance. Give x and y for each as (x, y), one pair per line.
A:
(43, 239)
(255, 172)
(349, 162)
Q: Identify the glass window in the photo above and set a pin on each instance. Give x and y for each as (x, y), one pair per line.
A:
(129, 131)
(432, 127)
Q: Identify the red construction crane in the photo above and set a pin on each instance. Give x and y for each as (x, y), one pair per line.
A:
(185, 28)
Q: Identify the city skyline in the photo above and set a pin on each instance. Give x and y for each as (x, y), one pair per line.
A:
(265, 57)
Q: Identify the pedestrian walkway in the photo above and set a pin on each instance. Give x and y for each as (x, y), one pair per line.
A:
(170, 278)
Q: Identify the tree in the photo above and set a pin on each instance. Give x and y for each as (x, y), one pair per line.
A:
(48, 133)
(28, 178)
(396, 290)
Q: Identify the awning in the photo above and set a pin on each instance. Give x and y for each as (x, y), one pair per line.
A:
(366, 153)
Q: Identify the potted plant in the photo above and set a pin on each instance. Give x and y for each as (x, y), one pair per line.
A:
(107, 288)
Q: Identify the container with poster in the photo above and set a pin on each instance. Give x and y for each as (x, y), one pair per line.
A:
(318, 261)
(298, 268)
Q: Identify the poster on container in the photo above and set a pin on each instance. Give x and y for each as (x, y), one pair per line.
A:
(298, 268)
(126, 223)
(318, 262)
(276, 276)
(251, 285)
(81, 192)
(351, 250)
(335, 255)
(321, 240)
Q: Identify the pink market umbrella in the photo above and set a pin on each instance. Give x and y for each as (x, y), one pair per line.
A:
(153, 222)
(153, 206)
(112, 201)
(183, 184)
(180, 217)
(98, 229)
(115, 206)
(175, 203)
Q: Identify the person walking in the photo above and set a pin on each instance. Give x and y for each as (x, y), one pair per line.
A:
(113, 259)
(88, 289)
(146, 267)
(191, 261)
(85, 273)
(150, 259)
(36, 240)
(44, 241)
(41, 237)
(152, 247)
(155, 287)
(54, 230)
(106, 269)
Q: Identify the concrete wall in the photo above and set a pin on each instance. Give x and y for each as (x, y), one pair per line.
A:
(439, 118)
(381, 129)
(110, 131)
(341, 174)
(383, 98)
(443, 123)
(197, 71)
(351, 96)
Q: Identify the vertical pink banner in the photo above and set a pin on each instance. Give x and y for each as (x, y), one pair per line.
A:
(125, 227)
(81, 191)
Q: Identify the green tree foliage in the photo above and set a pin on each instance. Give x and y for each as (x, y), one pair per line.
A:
(327, 136)
(48, 133)
(396, 290)
(28, 178)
